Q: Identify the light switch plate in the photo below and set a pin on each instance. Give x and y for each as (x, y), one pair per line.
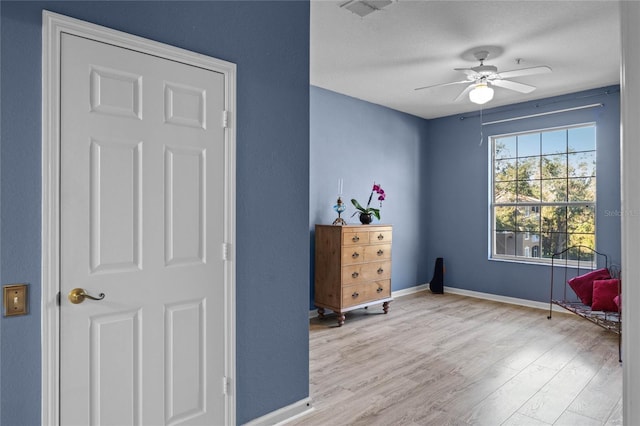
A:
(15, 299)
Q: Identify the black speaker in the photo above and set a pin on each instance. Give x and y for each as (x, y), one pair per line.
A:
(437, 282)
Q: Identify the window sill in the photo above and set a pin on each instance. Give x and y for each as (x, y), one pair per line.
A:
(544, 262)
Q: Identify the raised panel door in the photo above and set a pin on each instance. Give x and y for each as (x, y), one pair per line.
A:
(142, 222)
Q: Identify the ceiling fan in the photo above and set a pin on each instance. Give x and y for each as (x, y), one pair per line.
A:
(481, 77)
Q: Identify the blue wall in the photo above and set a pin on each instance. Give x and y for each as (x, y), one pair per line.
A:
(361, 143)
(458, 175)
(269, 42)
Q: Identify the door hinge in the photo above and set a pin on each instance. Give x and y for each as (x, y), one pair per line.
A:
(225, 251)
(226, 385)
(58, 297)
(225, 119)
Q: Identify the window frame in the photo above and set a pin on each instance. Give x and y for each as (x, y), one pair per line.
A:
(536, 207)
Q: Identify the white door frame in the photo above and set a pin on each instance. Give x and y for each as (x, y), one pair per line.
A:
(53, 27)
(630, 206)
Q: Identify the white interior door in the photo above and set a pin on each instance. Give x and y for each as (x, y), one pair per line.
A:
(141, 221)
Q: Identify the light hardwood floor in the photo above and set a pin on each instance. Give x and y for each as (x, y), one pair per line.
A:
(454, 360)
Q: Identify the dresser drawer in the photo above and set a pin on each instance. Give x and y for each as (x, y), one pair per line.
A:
(355, 238)
(352, 274)
(380, 236)
(377, 252)
(353, 254)
(365, 292)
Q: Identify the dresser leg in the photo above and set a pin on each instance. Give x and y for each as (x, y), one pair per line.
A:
(341, 319)
(385, 307)
(321, 313)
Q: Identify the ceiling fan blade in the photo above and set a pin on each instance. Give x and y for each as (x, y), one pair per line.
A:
(513, 85)
(525, 71)
(465, 92)
(473, 74)
(441, 85)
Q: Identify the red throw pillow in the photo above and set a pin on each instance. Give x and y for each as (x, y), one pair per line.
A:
(582, 285)
(604, 291)
(617, 301)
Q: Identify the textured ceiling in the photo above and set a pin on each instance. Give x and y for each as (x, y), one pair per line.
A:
(383, 56)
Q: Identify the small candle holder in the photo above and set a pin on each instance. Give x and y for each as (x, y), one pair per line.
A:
(339, 207)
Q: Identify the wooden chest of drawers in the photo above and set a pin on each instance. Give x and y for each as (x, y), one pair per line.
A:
(352, 268)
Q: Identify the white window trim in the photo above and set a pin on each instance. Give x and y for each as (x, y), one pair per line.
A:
(491, 219)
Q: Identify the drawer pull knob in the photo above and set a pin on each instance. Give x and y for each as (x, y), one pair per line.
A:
(380, 270)
(355, 239)
(355, 255)
(355, 275)
(356, 294)
(381, 237)
(380, 252)
(380, 290)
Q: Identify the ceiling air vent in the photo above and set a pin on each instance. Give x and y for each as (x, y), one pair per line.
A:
(364, 7)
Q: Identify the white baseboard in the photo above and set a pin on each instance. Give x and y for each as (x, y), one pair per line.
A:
(284, 414)
(503, 299)
(410, 290)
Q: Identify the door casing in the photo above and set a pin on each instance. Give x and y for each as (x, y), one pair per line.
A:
(53, 26)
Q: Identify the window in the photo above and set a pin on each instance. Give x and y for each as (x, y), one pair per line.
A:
(543, 192)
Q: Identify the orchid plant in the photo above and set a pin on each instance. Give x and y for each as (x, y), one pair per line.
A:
(370, 210)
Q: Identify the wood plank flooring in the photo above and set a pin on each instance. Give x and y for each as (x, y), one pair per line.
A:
(454, 360)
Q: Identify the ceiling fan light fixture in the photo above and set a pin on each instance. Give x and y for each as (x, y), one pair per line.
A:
(481, 94)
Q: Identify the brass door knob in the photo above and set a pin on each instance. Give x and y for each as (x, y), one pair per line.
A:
(77, 295)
